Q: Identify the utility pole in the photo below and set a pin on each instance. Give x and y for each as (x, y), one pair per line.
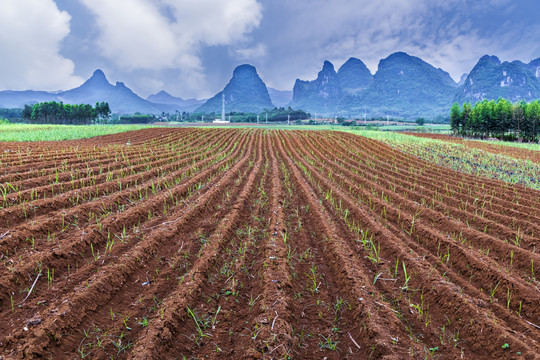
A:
(257, 118)
(288, 119)
(203, 118)
(386, 120)
(267, 118)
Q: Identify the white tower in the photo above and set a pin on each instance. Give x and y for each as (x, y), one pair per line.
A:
(223, 107)
(365, 116)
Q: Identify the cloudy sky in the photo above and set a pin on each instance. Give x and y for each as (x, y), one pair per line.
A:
(190, 47)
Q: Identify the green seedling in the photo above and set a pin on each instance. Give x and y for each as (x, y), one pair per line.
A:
(313, 277)
(407, 278)
(198, 323)
(328, 343)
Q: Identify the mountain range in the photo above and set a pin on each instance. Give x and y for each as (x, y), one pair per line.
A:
(408, 87)
(168, 103)
(96, 89)
(403, 86)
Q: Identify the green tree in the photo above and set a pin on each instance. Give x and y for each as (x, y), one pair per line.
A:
(455, 118)
(27, 112)
(465, 115)
(518, 118)
(532, 120)
(503, 113)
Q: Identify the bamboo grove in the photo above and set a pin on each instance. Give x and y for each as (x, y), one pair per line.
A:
(500, 119)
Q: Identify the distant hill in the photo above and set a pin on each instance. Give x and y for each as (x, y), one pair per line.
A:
(321, 95)
(120, 98)
(490, 79)
(407, 86)
(10, 99)
(245, 92)
(280, 98)
(403, 86)
(354, 76)
(164, 100)
(96, 89)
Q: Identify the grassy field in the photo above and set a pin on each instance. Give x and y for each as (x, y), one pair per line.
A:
(463, 158)
(527, 146)
(32, 132)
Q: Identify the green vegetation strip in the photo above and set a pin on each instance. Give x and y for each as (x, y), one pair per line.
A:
(462, 158)
(31, 132)
(525, 145)
(439, 129)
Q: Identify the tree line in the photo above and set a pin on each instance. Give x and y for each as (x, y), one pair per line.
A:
(53, 112)
(11, 113)
(500, 119)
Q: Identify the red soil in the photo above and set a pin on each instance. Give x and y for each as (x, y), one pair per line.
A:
(235, 243)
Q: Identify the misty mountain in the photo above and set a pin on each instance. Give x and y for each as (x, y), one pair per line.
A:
(490, 79)
(403, 86)
(10, 99)
(165, 100)
(280, 98)
(245, 92)
(320, 95)
(120, 98)
(96, 89)
(354, 76)
(406, 86)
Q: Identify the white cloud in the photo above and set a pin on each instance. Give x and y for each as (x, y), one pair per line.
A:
(31, 32)
(168, 34)
(249, 53)
(133, 33)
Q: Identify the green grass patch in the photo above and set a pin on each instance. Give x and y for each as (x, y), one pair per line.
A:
(32, 132)
(462, 158)
(526, 146)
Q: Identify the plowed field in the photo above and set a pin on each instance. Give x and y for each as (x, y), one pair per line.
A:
(246, 243)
